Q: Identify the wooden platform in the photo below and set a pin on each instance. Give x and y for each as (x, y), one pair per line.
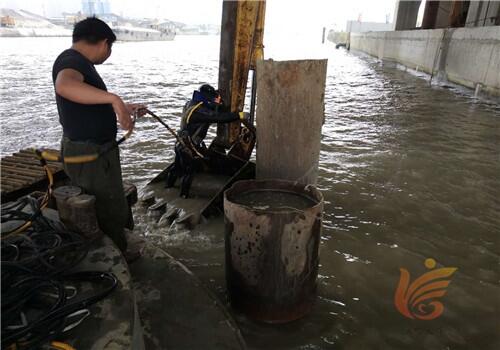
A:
(21, 174)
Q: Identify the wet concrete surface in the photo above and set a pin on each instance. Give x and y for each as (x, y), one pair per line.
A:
(112, 323)
(176, 309)
(158, 304)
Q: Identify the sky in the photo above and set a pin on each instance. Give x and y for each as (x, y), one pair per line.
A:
(300, 15)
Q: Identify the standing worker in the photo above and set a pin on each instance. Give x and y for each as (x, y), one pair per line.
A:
(88, 114)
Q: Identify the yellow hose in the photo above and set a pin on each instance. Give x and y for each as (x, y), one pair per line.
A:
(70, 160)
(12, 346)
(43, 204)
(86, 158)
(43, 156)
(61, 346)
(192, 111)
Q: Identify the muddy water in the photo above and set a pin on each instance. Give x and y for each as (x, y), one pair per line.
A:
(274, 200)
(408, 171)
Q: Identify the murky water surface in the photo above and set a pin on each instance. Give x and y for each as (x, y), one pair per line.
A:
(274, 200)
(408, 172)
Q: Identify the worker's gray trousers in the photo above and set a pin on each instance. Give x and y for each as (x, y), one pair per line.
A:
(103, 179)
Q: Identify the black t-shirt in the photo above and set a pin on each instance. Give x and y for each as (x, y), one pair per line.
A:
(80, 122)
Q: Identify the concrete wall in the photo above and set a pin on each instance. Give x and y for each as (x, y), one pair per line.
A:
(466, 56)
(361, 27)
(483, 13)
(337, 37)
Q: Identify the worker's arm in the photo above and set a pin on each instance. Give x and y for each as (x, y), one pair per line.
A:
(70, 85)
(206, 115)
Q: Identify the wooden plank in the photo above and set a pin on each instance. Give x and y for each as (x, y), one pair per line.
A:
(22, 179)
(27, 164)
(24, 158)
(17, 178)
(22, 173)
(27, 157)
(17, 185)
(28, 161)
(27, 171)
(22, 170)
(14, 182)
(27, 150)
(290, 114)
(32, 153)
(7, 187)
(12, 175)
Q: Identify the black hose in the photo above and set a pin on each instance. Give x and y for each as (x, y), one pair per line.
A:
(37, 269)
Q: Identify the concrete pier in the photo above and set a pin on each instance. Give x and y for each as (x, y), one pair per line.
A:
(406, 13)
(466, 56)
(483, 13)
(290, 114)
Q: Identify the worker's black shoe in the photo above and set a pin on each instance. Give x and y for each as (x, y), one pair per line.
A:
(184, 193)
(171, 178)
(186, 185)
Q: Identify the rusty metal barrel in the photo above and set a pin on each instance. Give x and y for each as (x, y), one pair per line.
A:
(272, 235)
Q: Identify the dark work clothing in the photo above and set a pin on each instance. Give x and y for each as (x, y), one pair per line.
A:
(199, 122)
(81, 122)
(90, 129)
(196, 120)
(185, 165)
(103, 179)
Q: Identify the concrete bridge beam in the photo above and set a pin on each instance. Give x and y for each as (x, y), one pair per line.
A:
(406, 14)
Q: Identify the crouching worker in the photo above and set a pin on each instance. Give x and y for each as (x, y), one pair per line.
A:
(204, 108)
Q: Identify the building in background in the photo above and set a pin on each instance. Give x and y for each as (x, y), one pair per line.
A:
(361, 27)
(23, 23)
(341, 38)
(95, 7)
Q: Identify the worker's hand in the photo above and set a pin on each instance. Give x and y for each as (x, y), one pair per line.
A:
(122, 113)
(137, 109)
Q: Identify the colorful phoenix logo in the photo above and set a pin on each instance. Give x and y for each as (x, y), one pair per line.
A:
(418, 299)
